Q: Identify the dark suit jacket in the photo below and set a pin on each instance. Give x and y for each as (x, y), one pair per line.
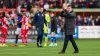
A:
(69, 22)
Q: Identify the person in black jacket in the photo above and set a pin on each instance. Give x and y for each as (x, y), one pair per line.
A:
(69, 16)
(39, 20)
(53, 29)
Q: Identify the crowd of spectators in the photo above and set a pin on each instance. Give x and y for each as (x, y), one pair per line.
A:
(87, 21)
(85, 3)
(50, 3)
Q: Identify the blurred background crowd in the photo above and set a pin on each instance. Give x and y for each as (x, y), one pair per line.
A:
(50, 4)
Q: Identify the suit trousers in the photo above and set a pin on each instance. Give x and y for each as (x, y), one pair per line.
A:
(66, 40)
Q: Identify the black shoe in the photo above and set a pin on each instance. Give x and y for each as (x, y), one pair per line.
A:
(62, 52)
(76, 51)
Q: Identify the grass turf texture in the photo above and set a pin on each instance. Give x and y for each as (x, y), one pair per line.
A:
(87, 47)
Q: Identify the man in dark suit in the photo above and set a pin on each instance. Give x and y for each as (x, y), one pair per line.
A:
(69, 16)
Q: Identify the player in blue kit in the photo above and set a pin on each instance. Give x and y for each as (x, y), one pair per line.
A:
(18, 30)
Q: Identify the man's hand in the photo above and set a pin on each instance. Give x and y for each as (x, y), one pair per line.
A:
(64, 6)
(33, 27)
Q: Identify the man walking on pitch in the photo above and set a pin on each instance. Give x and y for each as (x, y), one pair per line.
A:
(69, 15)
(39, 20)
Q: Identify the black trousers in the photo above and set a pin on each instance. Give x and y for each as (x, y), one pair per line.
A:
(40, 35)
(67, 38)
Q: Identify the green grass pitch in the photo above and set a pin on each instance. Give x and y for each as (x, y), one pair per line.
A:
(87, 47)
